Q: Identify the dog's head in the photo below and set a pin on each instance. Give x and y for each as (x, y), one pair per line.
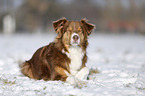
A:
(73, 33)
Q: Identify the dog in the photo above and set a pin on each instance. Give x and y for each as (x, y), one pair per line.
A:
(65, 58)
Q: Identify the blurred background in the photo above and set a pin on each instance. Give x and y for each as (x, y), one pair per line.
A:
(109, 16)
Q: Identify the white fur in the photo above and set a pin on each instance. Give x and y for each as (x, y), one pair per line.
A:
(83, 73)
(76, 73)
(77, 79)
(76, 55)
(72, 80)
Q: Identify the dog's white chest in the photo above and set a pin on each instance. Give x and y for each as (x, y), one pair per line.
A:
(76, 56)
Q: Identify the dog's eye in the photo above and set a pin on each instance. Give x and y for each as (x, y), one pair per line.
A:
(79, 31)
(68, 30)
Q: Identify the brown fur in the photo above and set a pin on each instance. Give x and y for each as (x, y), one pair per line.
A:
(49, 62)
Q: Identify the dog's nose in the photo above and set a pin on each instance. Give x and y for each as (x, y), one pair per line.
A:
(75, 37)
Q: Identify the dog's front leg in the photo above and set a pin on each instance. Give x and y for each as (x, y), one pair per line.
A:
(82, 74)
(71, 79)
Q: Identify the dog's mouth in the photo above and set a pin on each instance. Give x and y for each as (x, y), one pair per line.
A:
(75, 43)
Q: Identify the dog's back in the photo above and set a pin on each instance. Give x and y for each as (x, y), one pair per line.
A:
(43, 62)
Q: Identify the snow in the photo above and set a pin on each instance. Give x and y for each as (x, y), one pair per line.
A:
(119, 58)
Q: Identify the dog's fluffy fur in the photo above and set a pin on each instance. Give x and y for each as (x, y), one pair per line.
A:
(63, 59)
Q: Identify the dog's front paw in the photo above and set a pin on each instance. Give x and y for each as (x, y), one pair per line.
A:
(82, 74)
(72, 80)
(76, 82)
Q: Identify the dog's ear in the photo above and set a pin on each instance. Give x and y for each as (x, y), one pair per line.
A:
(88, 27)
(58, 26)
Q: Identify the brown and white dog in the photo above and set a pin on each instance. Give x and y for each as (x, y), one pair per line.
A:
(63, 59)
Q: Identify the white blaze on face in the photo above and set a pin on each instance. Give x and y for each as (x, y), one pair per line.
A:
(75, 39)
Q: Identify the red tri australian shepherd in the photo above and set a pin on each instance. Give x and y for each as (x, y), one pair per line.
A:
(63, 59)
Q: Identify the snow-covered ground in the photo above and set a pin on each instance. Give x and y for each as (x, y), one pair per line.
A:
(119, 58)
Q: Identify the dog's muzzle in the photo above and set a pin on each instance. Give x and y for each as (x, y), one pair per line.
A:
(75, 39)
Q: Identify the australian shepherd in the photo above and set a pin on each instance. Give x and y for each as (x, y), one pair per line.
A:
(65, 58)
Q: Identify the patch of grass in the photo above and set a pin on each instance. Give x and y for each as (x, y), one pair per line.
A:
(93, 71)
(141, 88)
(44, 88)
(128, 85)
(7, 82)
